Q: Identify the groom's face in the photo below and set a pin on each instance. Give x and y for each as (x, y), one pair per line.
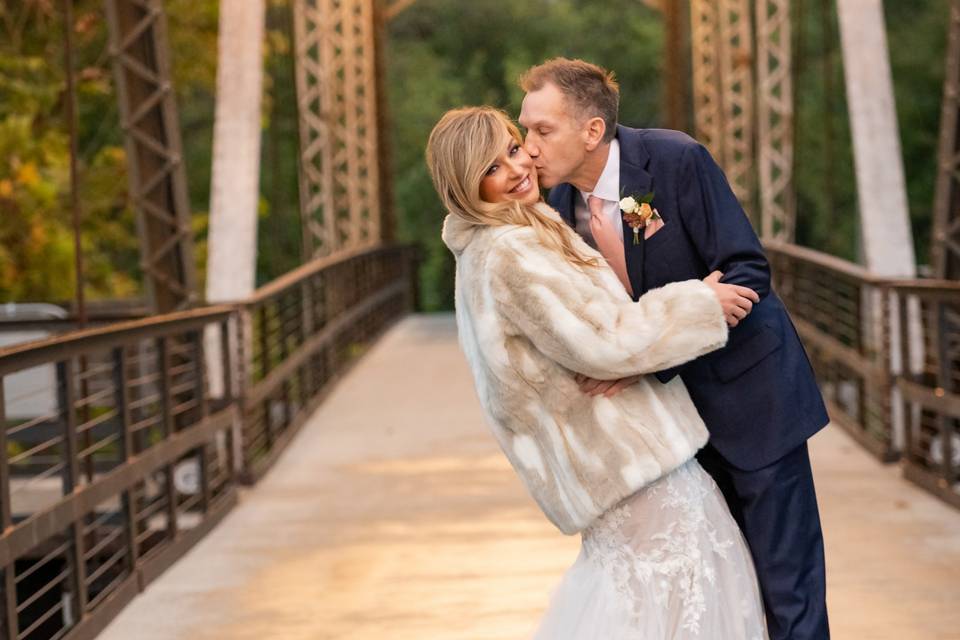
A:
(555, 138)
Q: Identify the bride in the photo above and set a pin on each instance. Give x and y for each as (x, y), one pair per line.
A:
(537, 308)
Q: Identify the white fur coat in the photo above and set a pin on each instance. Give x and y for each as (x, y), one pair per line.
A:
(528, 319)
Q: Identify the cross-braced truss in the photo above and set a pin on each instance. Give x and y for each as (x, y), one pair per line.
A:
(775, 118)
(724, 92)
(158, 184)
(707, 90)
(736, 62)
(336, 94)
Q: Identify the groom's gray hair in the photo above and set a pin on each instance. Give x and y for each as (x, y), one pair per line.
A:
(591, 91)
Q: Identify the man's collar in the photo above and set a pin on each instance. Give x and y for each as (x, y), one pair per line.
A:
(608, 185)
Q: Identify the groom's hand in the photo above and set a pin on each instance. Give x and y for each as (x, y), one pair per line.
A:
(606, 388)
(737, 301)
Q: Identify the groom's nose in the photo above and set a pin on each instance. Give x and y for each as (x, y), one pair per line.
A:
(531, 148)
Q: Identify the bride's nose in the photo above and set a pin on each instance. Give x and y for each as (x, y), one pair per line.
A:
(517, 167)
(520, 164)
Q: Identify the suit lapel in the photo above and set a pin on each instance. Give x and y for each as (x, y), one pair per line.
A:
(561, 198)
(635, 181)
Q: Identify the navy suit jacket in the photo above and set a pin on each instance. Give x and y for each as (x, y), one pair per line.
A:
(757, 395)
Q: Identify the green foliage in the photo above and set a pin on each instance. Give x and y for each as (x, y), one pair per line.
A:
(36, 238)
(917, 37)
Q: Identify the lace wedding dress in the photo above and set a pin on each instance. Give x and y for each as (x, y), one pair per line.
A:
(667, 563)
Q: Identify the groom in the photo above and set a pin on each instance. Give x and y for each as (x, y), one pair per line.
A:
(757, 395)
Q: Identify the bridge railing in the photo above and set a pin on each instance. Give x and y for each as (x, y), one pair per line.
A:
(887, 357)
(837, 307)
(122, 446)
(302, 332)
(113, 464)
(928, 313)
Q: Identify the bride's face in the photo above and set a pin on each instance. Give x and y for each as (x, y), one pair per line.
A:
(512, 176)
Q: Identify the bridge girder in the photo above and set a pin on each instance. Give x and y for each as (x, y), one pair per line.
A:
(157, 177)
(337, 103)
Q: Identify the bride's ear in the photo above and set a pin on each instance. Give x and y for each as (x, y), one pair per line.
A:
(593, 132)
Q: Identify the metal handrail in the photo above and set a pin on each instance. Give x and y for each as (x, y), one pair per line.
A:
(131, 414)
(895, 383)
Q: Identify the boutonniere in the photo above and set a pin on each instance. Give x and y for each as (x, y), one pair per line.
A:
(637, 212)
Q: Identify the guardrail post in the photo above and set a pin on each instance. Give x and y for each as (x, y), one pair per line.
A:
(163, 366)
(242, 462)
(204, 411)
(10, 621)
(71, 475)
(306, 332)
(127, 451)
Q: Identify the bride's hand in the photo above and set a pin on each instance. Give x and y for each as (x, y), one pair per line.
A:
(607, 388)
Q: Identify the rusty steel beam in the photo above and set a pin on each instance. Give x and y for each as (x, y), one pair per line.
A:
(736, 62)
(675, 65)
(707, 89)
(945, 248)
(158, 183)
(337, 104)
(775, 120)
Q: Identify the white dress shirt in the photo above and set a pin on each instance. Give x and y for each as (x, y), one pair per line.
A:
(608, 190)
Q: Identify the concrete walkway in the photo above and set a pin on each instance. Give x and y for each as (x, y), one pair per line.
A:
(395, 517)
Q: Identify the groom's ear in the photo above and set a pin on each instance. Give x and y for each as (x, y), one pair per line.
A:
(593, 132)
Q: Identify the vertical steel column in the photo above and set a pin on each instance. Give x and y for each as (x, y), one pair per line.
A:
(707, 93)
(736, 61)
(775, 116)
(384, 146)
(337, 102)
(314, 98)
(158, 184)
(675, 68)
(945, 248)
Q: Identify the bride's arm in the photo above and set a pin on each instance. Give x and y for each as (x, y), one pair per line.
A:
(588, 329)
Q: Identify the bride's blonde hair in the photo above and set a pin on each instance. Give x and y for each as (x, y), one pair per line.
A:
(462, 147)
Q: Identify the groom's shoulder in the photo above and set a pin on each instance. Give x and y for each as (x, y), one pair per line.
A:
(665, 141)
(667, 148)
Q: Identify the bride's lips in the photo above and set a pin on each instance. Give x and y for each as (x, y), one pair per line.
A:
(525, 185)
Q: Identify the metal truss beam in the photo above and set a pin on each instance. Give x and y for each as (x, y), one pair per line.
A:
(158, 183)
(775, 119)
(736, 62)
(337, 103)
(707, 88)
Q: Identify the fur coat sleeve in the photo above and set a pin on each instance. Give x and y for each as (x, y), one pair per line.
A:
(581, 321)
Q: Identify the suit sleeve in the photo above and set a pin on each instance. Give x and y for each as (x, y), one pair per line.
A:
(718, 227)
(586, 328)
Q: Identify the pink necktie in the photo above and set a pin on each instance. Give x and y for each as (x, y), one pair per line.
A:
(608, 241)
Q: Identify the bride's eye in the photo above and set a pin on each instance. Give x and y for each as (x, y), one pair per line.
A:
(514, 149)
(491, 170)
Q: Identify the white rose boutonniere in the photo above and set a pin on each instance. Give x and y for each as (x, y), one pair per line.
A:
(637, 212)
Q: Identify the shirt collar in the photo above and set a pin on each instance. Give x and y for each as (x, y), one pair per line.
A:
(608, 186)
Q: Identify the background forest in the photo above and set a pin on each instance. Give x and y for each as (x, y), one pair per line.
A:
(441, 54)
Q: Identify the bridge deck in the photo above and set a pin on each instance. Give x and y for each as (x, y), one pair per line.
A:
(393, 515)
